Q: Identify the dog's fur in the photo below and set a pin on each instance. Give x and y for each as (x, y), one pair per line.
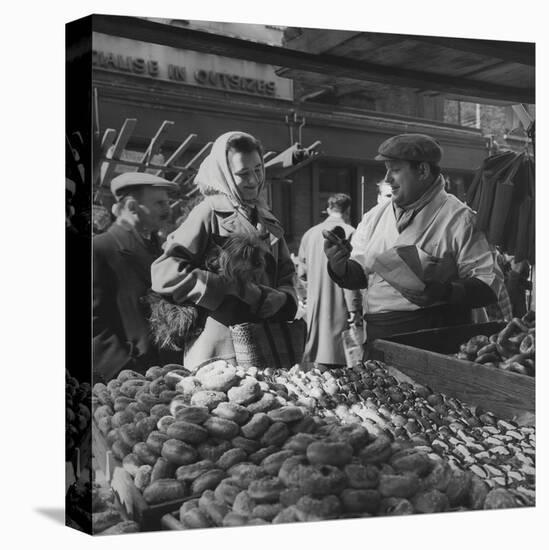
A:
(240, 258)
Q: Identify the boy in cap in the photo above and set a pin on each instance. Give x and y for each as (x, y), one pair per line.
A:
(122, 258)
(419, 213)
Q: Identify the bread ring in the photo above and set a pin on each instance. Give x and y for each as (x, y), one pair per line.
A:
(324, 452)
(528, 344)
(189, 472)
(266, 489)
(318, 480)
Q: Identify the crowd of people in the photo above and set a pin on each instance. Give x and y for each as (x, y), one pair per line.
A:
(228, 263)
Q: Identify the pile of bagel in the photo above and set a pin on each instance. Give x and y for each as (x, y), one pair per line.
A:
(512, 349)
(234, 447)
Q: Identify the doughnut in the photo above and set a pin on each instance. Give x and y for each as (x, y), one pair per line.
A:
(186, 506)
(128, 374)
(361, 477)
(313, 509)
(231, 457)
(256, 426)
(248, 392)
(232, 519)
(249, 445)
(376, 452)
(188, 386)
(244, 504)
(398, 485)
(266, 511)
(217, 376)
(289, 497)
(394, 506)
(244, 473)
(162, 469)
(286, 414)
(317, 480)
(226, 491)
(360, 500)
(173, 377)
(143, 477)
(221, 428)
(121, 403)
(289, 465)
(178, 453)
(272, 463)
(129, 434)
(157, 386)
(430, 502)
(213, 449)
(266, 489)
(145, 427)
(195, 519)
(159, 410)
(120, 418)
(286, 515)
(299, 442)
(153, 372)
(144, 453)
(207, 398)
(276, 434)
(155, 440)
(266, 403)
(263, 453)
(323, 452)
(186, 431)
(189, 472)
(164, 423)
(232, 411)
(188, 413)
(208, 480)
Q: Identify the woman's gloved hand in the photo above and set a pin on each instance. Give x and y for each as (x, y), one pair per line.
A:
(273, 301)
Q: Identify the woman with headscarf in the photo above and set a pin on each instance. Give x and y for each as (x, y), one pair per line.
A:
(231, 178)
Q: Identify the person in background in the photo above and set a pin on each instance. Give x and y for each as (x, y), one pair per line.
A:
(384, 192)
(231, 179)
(122, 258)
(329, 308)
(458, 266)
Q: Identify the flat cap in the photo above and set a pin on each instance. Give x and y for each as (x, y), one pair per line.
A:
(414, 147)
(132, 179)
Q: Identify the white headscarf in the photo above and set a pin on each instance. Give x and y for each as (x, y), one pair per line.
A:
(215, 173)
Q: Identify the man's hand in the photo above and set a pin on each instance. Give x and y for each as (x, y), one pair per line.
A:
(272, 303)
(432, 293)
(337, 254)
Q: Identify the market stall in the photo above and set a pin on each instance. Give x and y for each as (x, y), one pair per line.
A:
(231, 446)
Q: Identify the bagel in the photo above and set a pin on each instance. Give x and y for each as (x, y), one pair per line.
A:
(217, 376)
(360, 500)
(286, 515)
(153, 373)
(377, 451)
(187, 431)
(216, 511)
(430, 502)
(256, 426)
(208, 480)
(231, 457)
(142, 477)
(398, 485)
(313, 509)
(249, 445)
(194, 414)
(162, 469)
(394, 506)
(299, 442)
(166, 396)
(129, 434)
(244, 504)
(122, 402)
(221, 428)
(178, 453)
(173, 377)
(120, 418)
(286, 414)
(266, 489)
(248, 392)
(289, 497)
(186, 506)
(261, 454)
(266, 511)
(318, 480)
(361, 477)
(157, 386)
(130, 387)
(128, 374)
(232, 411)
(188, 386)
(246, 472)
(195, 519)
(272, 463)
(155, 440)
(145, 454)
(266, 403)
(131, 464)
(289, 465)
(164, 423)
(189, 472)
(226, 491)
(232, 519)
(160, 410)
(145, 427)
(213, 449)
(410, 460)
(324, 452)
(209, 399)
(276, 434)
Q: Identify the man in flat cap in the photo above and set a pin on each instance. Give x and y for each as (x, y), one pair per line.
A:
(456, 262)
(122, 258)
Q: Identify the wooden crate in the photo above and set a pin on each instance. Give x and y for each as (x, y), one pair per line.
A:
(147, 516)
(423, 356)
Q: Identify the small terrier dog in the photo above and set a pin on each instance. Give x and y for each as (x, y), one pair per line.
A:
(240, 258)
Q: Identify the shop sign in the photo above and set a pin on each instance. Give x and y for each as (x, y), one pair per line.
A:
(188, 67)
